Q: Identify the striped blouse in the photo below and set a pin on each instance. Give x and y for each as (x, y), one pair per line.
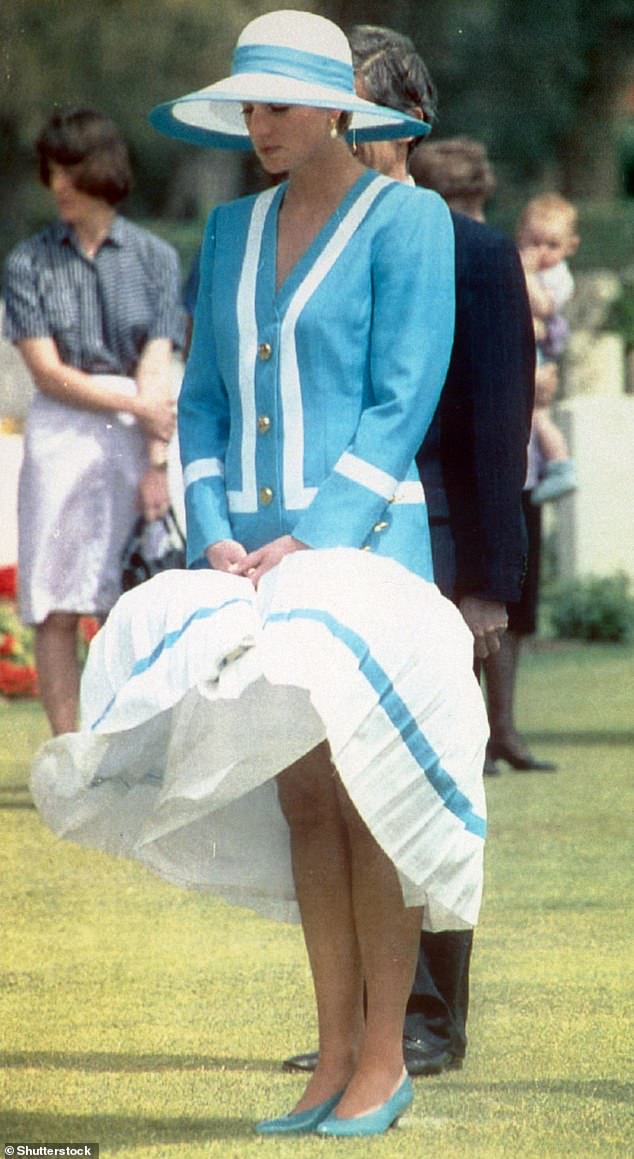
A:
(101, 312)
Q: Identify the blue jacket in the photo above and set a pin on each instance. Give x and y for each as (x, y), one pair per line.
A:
(303, 407)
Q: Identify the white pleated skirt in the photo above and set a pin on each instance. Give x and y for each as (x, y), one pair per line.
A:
(199, 690)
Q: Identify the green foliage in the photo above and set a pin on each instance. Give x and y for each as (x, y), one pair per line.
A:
(622, 313)
(120, 56)
(540, 92)
(16, 641)
(606, 229)
(536, 90)
(593, 608)
(185, 236)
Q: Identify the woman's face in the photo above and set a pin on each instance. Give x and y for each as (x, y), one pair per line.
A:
(287, 137)
(73, 205)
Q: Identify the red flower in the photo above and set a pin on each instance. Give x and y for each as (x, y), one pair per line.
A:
(8, 582)
(17, 681)
(88, 627)
(7, 644)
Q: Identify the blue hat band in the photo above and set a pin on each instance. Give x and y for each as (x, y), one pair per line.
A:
(291, 62)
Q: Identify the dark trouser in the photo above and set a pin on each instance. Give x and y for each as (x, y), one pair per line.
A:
(438, 1005)
(439, 1002)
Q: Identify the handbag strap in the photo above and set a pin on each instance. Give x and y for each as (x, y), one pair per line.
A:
(135, 534)
(172, 524)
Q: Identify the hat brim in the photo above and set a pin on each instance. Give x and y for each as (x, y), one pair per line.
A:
(212, 116)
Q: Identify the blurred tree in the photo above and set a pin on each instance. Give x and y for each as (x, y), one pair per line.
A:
(122, 57)
(593, 150)
(536, 84)
(559, 79)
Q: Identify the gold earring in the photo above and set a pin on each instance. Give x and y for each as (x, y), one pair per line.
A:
(334, 131)
(354, 142)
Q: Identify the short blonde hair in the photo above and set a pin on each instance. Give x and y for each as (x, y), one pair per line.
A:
(547, 207)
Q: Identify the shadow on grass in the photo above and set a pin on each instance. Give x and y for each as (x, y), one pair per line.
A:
(589, 738)
(15, 797)
(121, 1132)
(118, 1132)
(106, 1063)
(607, 1090)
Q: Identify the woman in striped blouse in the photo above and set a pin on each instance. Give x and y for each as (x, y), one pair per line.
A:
(92, 305)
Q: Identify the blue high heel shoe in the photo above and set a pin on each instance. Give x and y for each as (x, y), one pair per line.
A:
(300, 1123)
(375, 1122)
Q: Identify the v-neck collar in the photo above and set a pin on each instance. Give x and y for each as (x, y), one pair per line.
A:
(302, 266)
(65, 236)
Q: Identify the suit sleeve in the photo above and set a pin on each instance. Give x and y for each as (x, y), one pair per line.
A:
(203, 422)
(486, 428)
(410, 345)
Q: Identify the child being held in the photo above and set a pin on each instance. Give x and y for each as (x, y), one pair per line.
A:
(546, 237)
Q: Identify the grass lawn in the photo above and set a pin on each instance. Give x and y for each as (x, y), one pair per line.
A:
(153, 1021)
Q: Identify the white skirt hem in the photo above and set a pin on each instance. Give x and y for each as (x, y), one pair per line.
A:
(198, 691)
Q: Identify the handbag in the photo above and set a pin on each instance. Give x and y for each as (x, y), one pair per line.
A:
(152, 546)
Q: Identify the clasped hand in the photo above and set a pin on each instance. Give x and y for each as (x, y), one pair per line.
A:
(157, 417)
(229, 555)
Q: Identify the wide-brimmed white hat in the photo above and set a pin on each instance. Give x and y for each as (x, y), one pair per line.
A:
(282, 58)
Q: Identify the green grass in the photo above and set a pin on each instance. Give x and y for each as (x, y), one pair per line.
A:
(153, 1021)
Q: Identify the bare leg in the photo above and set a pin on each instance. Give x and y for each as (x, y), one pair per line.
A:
(389, 935)
(321, 869)
(355, 926)
(58, 670)
(552, 442)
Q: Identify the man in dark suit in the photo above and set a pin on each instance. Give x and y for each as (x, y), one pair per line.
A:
(473, 465)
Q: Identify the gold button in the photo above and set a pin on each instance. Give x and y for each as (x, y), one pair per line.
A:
(380, 526)
(266, 496)
(265, 351)
(264, 424)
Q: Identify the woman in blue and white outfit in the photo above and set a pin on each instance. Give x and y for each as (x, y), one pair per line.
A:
(294, 725)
